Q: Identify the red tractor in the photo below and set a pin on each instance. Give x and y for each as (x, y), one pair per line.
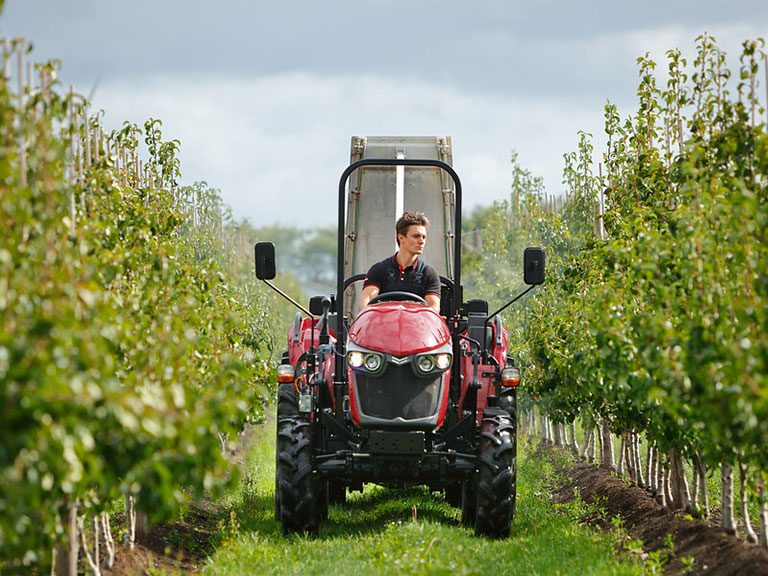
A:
(398, 396)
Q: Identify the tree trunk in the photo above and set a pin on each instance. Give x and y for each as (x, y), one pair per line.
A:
(661, 480)
(588, 444)
(599, 450)
(544, 425)
(65, 562)
(91, 559)
(727, 517)
(622, 454)
(557, 429)
(142, 528)
(637, 459)
(763, 512)
(109, 542)
(695, 490)
(701, 470)
(608, 460)
(651, 469)
(748, 530)
(681, 495)
(574, 442)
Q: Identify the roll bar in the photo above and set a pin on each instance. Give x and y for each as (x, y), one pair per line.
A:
(456, 302)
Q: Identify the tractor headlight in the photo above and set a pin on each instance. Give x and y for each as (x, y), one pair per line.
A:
(426, 364)
(372, 362)
(355, 359)
(443, 361)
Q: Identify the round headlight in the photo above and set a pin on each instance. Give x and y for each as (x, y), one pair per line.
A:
(372, 362)
(355, 359)
(425, 363)
(443, 361)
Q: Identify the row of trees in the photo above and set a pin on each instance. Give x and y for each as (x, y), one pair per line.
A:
(654, 319)
(133, 341)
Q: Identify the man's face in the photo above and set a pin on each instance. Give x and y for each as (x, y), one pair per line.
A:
(414, 239)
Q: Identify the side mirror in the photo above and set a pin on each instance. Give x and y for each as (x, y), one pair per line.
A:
(533, 266)
(318, 305)
(265, 260)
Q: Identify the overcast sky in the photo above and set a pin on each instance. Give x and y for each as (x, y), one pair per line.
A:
(265, 95)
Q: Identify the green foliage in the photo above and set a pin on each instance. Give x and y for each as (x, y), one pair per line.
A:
(131, 335)
(659, 324)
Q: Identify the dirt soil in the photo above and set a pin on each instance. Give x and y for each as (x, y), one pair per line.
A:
(178, 548)
(182, 547)
(714, 552)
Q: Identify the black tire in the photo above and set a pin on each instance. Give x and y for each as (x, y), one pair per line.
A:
(453, 494)
(468, 502)
(497, 475)
(299, 496)
(287, 405)
(508, 403)
(287, 400)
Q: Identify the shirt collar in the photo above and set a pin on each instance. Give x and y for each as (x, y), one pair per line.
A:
(397, 264)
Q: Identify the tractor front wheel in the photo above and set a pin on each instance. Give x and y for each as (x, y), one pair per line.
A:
(299, 495)
(287, 405)
(497, 475)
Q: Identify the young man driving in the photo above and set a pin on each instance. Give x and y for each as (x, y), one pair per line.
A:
(404, 271)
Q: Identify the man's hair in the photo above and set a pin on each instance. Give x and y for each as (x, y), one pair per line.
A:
(409, 219)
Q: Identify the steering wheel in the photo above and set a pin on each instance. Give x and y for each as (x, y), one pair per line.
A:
(397, 295)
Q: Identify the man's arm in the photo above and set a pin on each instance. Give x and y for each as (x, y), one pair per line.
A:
(432, 286)
(368, 293)
(433, 301)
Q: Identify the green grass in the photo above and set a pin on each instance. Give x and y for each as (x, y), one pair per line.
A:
(375, 533)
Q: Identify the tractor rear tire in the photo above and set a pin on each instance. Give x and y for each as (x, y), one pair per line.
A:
(299, 495)
(497, 476)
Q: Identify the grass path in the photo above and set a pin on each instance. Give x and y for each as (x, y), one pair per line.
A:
(375, 532)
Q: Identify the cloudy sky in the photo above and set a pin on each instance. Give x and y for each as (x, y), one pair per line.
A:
(265, 95)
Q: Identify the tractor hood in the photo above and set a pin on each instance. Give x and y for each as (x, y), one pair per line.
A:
(399, 328)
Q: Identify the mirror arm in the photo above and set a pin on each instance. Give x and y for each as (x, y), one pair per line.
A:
(515, 299)
(291, 300)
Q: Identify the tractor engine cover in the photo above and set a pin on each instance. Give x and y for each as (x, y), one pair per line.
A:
(390, 388)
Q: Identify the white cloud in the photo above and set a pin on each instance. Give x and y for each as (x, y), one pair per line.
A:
(276, 145)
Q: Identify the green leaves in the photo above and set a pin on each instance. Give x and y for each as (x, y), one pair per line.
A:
(131, 339)
(663, 326)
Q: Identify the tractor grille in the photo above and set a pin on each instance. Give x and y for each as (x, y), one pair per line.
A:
(398, 393)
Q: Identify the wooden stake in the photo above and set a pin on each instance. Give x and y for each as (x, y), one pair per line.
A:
(22, 120)
(87, 136)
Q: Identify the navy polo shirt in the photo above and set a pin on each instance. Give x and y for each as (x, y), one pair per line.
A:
(388, 276)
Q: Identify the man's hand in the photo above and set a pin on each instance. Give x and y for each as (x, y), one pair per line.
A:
(369, 292)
